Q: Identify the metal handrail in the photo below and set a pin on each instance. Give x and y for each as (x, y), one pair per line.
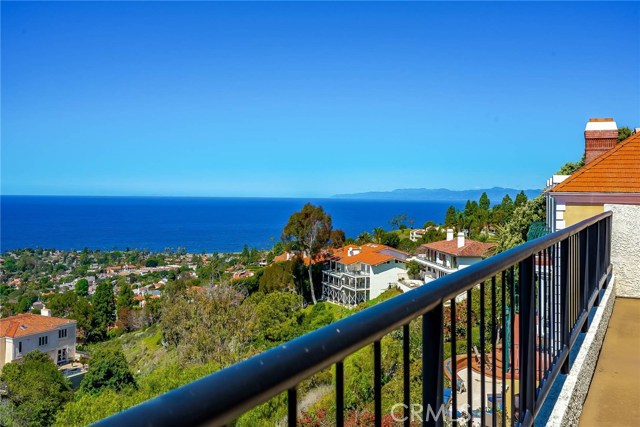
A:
(221, 397)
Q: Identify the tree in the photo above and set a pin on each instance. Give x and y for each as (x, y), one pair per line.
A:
(450, 217)
(107, 368)
(413, 268)
(399, 221)
(570, 167)
(337, 238)
(309, 231)
(507, 207)
(378, 234)
(390, 239)
(521, 199)
(484, 203)
(37, 389)
(624, 133)
(363, 238)
(104, 305)
(277, 277)
(82, 288)
(125, 297)
(514, 232)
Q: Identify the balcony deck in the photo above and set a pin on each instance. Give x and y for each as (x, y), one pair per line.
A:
(614, 395)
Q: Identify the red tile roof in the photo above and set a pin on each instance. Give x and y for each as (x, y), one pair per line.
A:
(616, 171)
(370, 253)
(471, 248)
(27, 324)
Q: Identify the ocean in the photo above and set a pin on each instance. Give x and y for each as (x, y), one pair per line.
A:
(195, 224)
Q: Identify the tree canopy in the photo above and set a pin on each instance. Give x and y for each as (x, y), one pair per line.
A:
(308, 231)
(36, 388)
(107, 368)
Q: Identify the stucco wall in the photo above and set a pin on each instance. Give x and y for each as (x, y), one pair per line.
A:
(574, 213)
(625, 249)
(384, 275)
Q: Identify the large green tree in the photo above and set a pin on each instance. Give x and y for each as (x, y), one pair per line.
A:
(104, 305)
(82, 287)
(450, 218)
(308, 231)
(36, 388)
(277, 277)
(125, 297)
(108, 367)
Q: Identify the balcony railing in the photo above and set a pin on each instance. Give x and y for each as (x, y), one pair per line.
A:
(534, 302)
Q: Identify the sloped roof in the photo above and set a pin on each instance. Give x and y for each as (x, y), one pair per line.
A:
(471, 248)
(27, 324)
(370, 253)
(616, 171)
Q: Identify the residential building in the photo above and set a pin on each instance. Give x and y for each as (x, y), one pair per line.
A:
(356, 274)
(416, 234)
(450, 255)
(609, 181)
(24, 333)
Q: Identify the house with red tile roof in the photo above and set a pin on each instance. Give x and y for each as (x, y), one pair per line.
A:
(356, 274)
(609, 181)
(450, 255)
(24, 333)
(611, 175)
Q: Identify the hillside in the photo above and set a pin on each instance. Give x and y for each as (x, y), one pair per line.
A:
(438, 194)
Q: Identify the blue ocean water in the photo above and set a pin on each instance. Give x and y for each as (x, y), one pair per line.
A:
(196, 224)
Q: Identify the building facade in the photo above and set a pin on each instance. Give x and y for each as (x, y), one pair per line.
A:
(356, 274)
(25, 333)
(448, 256)
(609, 181)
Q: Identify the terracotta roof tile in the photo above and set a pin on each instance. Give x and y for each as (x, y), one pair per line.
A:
(27, 324)
(471, 248)
(370, 253)
(616, 171)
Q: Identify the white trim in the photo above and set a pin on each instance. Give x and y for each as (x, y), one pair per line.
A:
(597, 198)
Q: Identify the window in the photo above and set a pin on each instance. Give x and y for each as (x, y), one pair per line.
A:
(62, 333)
(19, 347)
(43, 340)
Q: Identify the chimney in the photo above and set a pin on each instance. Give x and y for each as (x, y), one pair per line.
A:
(600, 136)
(449, 234)
(45, 312)
(460, 239)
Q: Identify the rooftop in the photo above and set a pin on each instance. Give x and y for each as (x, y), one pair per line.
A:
(370, 253)
(28, 324)
(471, 248)
(616, 171)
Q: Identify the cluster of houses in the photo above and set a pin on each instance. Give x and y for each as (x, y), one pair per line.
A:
(355, 274)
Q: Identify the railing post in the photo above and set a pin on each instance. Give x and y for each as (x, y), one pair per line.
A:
(432, 368)
(564, 300)
(527, 341)
(585, 249)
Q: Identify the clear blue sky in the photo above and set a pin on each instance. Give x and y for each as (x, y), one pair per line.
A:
(306, 99)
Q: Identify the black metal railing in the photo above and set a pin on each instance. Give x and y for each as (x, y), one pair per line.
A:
(533, 300)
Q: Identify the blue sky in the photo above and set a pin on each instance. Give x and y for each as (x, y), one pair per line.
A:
(306, 99)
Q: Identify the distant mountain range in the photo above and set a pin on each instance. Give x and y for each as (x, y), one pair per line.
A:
(439, 194)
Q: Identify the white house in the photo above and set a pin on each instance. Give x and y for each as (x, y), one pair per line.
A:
(416, 234)
(25, 333)
(450, 255)
(357, 274)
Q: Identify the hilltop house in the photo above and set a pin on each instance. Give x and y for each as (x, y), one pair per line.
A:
(25, 333)
(416, 234)
(450, 255)
(609, 181)
(359, 273)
